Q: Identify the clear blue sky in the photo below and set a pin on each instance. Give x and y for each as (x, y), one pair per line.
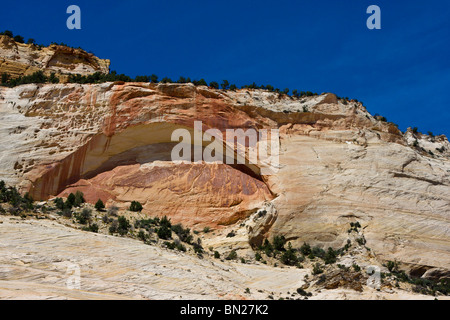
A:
(401, 71)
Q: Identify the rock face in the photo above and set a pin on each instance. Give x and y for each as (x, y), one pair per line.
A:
(338, 164)
(35, 266)
(18, 59)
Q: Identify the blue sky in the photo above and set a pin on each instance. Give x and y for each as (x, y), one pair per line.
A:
(401, 71)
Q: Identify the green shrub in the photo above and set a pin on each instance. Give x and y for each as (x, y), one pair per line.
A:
(214, 85)
(305, 249)
(123, 225)
(317, 269)
(114, 227)
(200, 82)
(231, 234)
(84, 216)
(169, 245)
(164, 232)
(12, 196)
(142, 235)
(113, 210)
(53, 78)
(184, 234)
(258, 256)
(279, 242)
(144, 223)
(142, 79)
(318, 252)
(165, 222)
(392, 266)
(7, 33)
(99, 205)
(92, 228)
(19, 39)
(135, 206)
(78, 199)
(154, 78)
(198, 247)
(225, 84)
(232, 255)
(268, 248)
(289, 257)
(70, 200)
(166, 80)
(302, 292)
(330, 256)
(66, 212)
(5, 78)
(180, 247)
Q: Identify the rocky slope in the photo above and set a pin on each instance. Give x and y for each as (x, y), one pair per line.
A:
(18, 59)
(39, 259)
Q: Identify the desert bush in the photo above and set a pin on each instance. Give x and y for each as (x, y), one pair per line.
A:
(164, 232)
(113, 210)
(330, 256)
(123, 225)
(289, 257)
(84, 216)
(305, 249)
(184, 234)
(231, 234)
(302, 292)
(99, 205)
(317, 269)
(92, 228)
(232, 255)
(135, 206)
(279, 242)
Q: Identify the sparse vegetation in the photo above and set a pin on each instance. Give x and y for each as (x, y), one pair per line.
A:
(232, 255)
(303, 293)
(317, 269)
(99, 205)
(231, 234)
(135, 206)
(184, 234)
(84, 216)
(12, 196)
(37, 77)
(164, 231)
(206, 229)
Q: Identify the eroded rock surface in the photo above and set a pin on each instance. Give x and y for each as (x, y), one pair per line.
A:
(18, 59)
(338, 163)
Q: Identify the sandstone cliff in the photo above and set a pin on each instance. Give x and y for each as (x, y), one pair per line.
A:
(18, 59)
(338, 163)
